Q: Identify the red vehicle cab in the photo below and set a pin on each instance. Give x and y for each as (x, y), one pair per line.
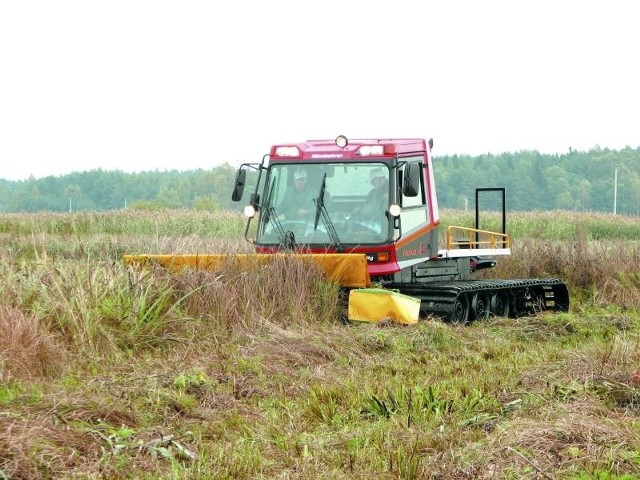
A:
(372, 196)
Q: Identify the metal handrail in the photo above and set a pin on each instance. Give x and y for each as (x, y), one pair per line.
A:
(475, 239)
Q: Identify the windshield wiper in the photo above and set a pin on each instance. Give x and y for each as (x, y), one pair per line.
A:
(287, 239)
(321, 211)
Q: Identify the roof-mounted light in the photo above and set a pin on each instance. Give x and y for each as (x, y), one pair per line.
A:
(341, 141)
(368, 150)
(286, 151)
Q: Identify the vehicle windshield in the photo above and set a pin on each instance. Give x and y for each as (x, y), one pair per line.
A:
(356, 198)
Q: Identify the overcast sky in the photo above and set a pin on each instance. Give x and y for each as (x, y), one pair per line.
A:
(142, 85)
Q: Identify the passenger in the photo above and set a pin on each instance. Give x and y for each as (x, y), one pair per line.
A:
(380, 187)
(377, 200)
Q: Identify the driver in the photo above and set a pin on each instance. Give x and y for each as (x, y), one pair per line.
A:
(297, 202)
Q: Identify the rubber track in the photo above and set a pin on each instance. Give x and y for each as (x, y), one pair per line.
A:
(523, 296)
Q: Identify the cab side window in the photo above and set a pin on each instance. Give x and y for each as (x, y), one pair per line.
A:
(414, 212)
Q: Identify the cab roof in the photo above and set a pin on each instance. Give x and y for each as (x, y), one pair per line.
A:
(355, 149)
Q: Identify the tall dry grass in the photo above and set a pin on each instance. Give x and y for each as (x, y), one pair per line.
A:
(551, 225)
(244, 295)
(126, 222)
(601, 272)
(100, 310)
(28, 350)
(95, 318)
(110, 371)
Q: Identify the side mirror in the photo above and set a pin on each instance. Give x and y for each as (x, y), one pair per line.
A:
(411, 184)
(238, 187)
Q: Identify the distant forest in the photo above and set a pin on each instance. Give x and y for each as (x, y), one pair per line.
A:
(575, 181)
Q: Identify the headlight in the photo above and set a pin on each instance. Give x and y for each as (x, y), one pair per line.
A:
(249, 211)
(395, 210)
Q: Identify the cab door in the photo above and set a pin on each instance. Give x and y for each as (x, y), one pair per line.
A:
(417, 236)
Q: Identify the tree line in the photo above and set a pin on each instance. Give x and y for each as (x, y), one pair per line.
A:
(574, 181)
(98, 190)
(594, 180)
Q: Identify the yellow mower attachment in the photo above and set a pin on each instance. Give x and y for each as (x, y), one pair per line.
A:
(376, 304)
(347, 270)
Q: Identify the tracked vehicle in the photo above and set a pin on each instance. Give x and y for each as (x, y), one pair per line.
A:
(390, 237)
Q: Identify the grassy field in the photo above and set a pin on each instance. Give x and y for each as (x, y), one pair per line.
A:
(108, 371)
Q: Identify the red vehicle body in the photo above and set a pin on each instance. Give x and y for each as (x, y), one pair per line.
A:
(399, 249)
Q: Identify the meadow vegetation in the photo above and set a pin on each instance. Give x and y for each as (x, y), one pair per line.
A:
(111, 371)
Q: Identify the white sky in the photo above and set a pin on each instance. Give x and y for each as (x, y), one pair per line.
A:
(149, 84)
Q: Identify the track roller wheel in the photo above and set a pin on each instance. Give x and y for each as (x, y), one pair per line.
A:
(460, 313)
(499, 304)
(480, 306)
